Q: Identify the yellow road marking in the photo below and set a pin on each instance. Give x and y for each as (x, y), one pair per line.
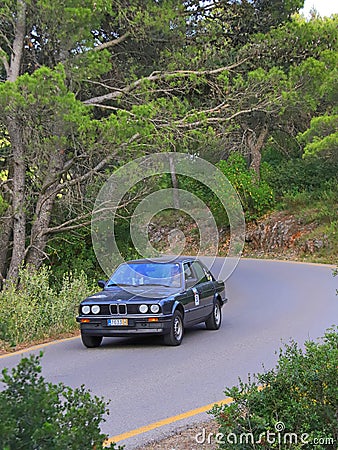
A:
(37, 347)
(167, 421)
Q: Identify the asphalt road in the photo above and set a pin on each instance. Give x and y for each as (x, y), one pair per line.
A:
(269, 302)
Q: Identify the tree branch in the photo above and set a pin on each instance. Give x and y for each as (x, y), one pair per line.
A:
(157, 76)
(4, 61)
(95, 169)
(215, 119)
(223, 105)
(3, 185)
(96, 216)
(112, 43)
(113, 108)
(63, 229)
(69, 224)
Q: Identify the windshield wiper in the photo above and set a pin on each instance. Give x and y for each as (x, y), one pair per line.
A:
(139, 285)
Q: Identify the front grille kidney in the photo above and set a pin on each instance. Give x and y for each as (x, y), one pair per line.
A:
(118, 309)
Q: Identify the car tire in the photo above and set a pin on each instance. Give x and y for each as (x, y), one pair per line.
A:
(215, 320)
(91, 341)
(175, 336)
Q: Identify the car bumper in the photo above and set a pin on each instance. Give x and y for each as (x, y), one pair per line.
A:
(224, 301)
(136, 326)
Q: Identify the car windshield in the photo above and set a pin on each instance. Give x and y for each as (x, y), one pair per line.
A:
(147, 274)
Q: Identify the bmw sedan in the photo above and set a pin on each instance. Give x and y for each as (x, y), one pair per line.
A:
(161, 296)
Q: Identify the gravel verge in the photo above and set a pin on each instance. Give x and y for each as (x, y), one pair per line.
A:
(185, 438)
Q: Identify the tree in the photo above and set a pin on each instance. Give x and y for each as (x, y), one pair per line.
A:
(50, 54)
(91, 85)
(321, 139)
(62, 418)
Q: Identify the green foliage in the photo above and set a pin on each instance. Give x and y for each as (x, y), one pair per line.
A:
(301, 392)
(119, 57)
(35, 310)
(295, 41)
(35, 414)
(257, 197)
(321, 139)
(294, 175)
(72, 253)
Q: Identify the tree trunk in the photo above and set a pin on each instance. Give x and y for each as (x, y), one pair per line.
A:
(6, 227)
(38, 241)
(39, 238)
(255, 145)
(17, 222)
(20, 32)
(18, 202)
(5, 241)
(174, 182)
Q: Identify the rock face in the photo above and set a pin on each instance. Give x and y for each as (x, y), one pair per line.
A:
(280, 232)
(278, 235)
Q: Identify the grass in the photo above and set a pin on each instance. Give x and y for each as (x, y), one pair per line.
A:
(35, 311)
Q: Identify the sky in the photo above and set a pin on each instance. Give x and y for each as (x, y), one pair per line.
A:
(324, 7)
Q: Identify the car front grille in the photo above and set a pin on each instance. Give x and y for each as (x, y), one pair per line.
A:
(119, 309)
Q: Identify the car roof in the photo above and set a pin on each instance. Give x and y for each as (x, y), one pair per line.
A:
(164, 259)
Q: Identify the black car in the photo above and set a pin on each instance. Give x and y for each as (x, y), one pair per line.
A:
(153, 297)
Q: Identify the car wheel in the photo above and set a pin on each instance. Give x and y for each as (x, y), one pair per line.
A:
(175, 336)
(215, 320)
(91, 341)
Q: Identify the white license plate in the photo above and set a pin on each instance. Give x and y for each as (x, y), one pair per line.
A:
(117, 322)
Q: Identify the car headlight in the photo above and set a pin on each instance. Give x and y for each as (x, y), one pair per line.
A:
(154, 308)
(85, 309)
(143, 308)
(95, 309)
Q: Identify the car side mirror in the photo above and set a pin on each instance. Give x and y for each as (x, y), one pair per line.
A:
(101, 283)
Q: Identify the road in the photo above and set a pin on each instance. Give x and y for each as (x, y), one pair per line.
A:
(269, 302)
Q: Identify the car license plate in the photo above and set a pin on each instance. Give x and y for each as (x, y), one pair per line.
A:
(117, 322)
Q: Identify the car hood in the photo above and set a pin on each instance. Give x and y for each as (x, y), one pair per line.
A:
(133, 294)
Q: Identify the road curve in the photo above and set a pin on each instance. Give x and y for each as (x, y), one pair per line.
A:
(269, 302)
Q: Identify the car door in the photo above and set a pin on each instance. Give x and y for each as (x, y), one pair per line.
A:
(200, 291)
(205, 290)
(190, 300)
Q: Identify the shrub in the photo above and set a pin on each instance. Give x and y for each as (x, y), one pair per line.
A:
(299, 396)
(296, 175)
(257, 197)
(72, 252)
(35, 414)
(36, 311)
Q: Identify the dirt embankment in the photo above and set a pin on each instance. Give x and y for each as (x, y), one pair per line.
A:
(284, 235)
(278, 235)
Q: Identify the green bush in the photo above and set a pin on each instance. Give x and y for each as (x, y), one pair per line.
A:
(34, 310)
(295, 175)
(72, 252)
(299, 396)
(257, 197)
(35, 414)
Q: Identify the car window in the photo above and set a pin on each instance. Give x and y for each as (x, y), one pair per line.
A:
(188, 273)
(143, 274)
(200, 274)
